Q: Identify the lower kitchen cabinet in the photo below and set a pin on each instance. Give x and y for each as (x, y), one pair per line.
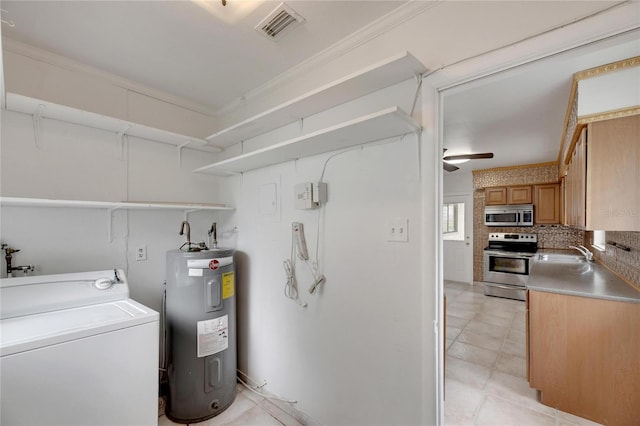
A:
(583, 356)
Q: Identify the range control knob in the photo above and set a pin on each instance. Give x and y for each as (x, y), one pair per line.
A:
(103, 283)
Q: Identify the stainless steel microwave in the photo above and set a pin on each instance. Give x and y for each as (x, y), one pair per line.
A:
(516, 215)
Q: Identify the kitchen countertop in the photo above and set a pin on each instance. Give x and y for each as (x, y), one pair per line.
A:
(586, 279)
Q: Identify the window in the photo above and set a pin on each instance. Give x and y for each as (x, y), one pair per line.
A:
(599, 240)
(453, 221)
(450, 218)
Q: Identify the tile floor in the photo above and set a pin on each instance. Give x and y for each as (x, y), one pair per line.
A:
(485, 371)
(248, 409)
(485, 376)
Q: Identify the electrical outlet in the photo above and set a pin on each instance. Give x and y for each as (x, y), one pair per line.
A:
(141, 253)
(397, 229)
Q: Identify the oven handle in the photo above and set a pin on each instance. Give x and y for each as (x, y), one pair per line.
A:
(505, 287)
(510, 254)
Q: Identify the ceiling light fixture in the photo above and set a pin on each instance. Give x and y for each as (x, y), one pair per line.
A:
(230, 12)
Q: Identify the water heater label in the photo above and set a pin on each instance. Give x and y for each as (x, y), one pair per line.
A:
(228, 285)
(195, 272)
(213, 336)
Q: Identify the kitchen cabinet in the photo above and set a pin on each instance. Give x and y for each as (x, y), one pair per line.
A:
(582, 355)
(575, 185)
(613, 174)
(603, 176)
(501, 195)
(495, 196)
(519, 194)
(546, 201)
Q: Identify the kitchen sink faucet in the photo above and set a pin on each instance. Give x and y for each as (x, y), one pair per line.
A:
(585, 252)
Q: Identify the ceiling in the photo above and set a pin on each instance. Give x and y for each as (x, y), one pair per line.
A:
(519, 114)
(199, 50)
(159, 43)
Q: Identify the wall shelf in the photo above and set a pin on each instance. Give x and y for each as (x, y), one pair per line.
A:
(110, 206)
(370, 79)
(43, 109)
(132, 205)
(381, 125)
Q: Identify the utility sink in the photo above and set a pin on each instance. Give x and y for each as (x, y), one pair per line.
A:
(561, 258)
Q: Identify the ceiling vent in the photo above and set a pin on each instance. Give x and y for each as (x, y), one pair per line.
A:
(279, 22)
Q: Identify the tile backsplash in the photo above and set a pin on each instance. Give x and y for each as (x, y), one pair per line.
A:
(624, 263)
(527, 174)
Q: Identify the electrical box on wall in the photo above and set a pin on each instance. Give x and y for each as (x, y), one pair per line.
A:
(310, 195)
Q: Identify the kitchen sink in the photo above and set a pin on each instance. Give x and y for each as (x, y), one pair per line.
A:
(560, 258)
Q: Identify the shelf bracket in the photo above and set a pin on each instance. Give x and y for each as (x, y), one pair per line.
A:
(110, 225)
(179, 147)
(37, 125)
(186, 213)
(110, 211)
(301, 125)
(202, 142)
(121, 134)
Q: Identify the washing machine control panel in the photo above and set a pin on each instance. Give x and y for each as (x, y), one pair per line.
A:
(103, 283)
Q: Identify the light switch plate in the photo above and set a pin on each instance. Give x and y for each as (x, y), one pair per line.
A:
(398, 229)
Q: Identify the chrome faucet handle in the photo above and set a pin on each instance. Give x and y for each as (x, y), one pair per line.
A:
(585, 252)
(586, 249)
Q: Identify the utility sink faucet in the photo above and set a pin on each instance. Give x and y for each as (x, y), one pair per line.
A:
(8, 257)
(585, 252)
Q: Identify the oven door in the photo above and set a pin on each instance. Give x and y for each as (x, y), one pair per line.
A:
(507, 268)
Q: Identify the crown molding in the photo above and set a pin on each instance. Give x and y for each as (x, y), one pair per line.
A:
(54, 59)
(608, 68)
(396, 17)
(516, 167)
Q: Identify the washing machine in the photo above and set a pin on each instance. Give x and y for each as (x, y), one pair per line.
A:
(75, 349)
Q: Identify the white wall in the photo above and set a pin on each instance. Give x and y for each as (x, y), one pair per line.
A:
(458, 182)
(81, 163)
(352, 356)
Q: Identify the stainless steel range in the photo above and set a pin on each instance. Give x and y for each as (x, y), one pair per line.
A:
(507, 261)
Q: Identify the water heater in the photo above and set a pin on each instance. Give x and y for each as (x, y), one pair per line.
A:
(201, 333)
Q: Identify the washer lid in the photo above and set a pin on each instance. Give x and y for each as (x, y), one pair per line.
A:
(47, 293)
(30, 332)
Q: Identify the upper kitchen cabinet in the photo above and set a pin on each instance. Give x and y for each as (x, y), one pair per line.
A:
(575, 181)
(601, 149)
(601, 93)
(603, 176)
(495, 196)
(519, 194)
(501, 195)
(613, 175)
(546, 201)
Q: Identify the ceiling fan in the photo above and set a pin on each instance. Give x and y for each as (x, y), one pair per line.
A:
(449, 161)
